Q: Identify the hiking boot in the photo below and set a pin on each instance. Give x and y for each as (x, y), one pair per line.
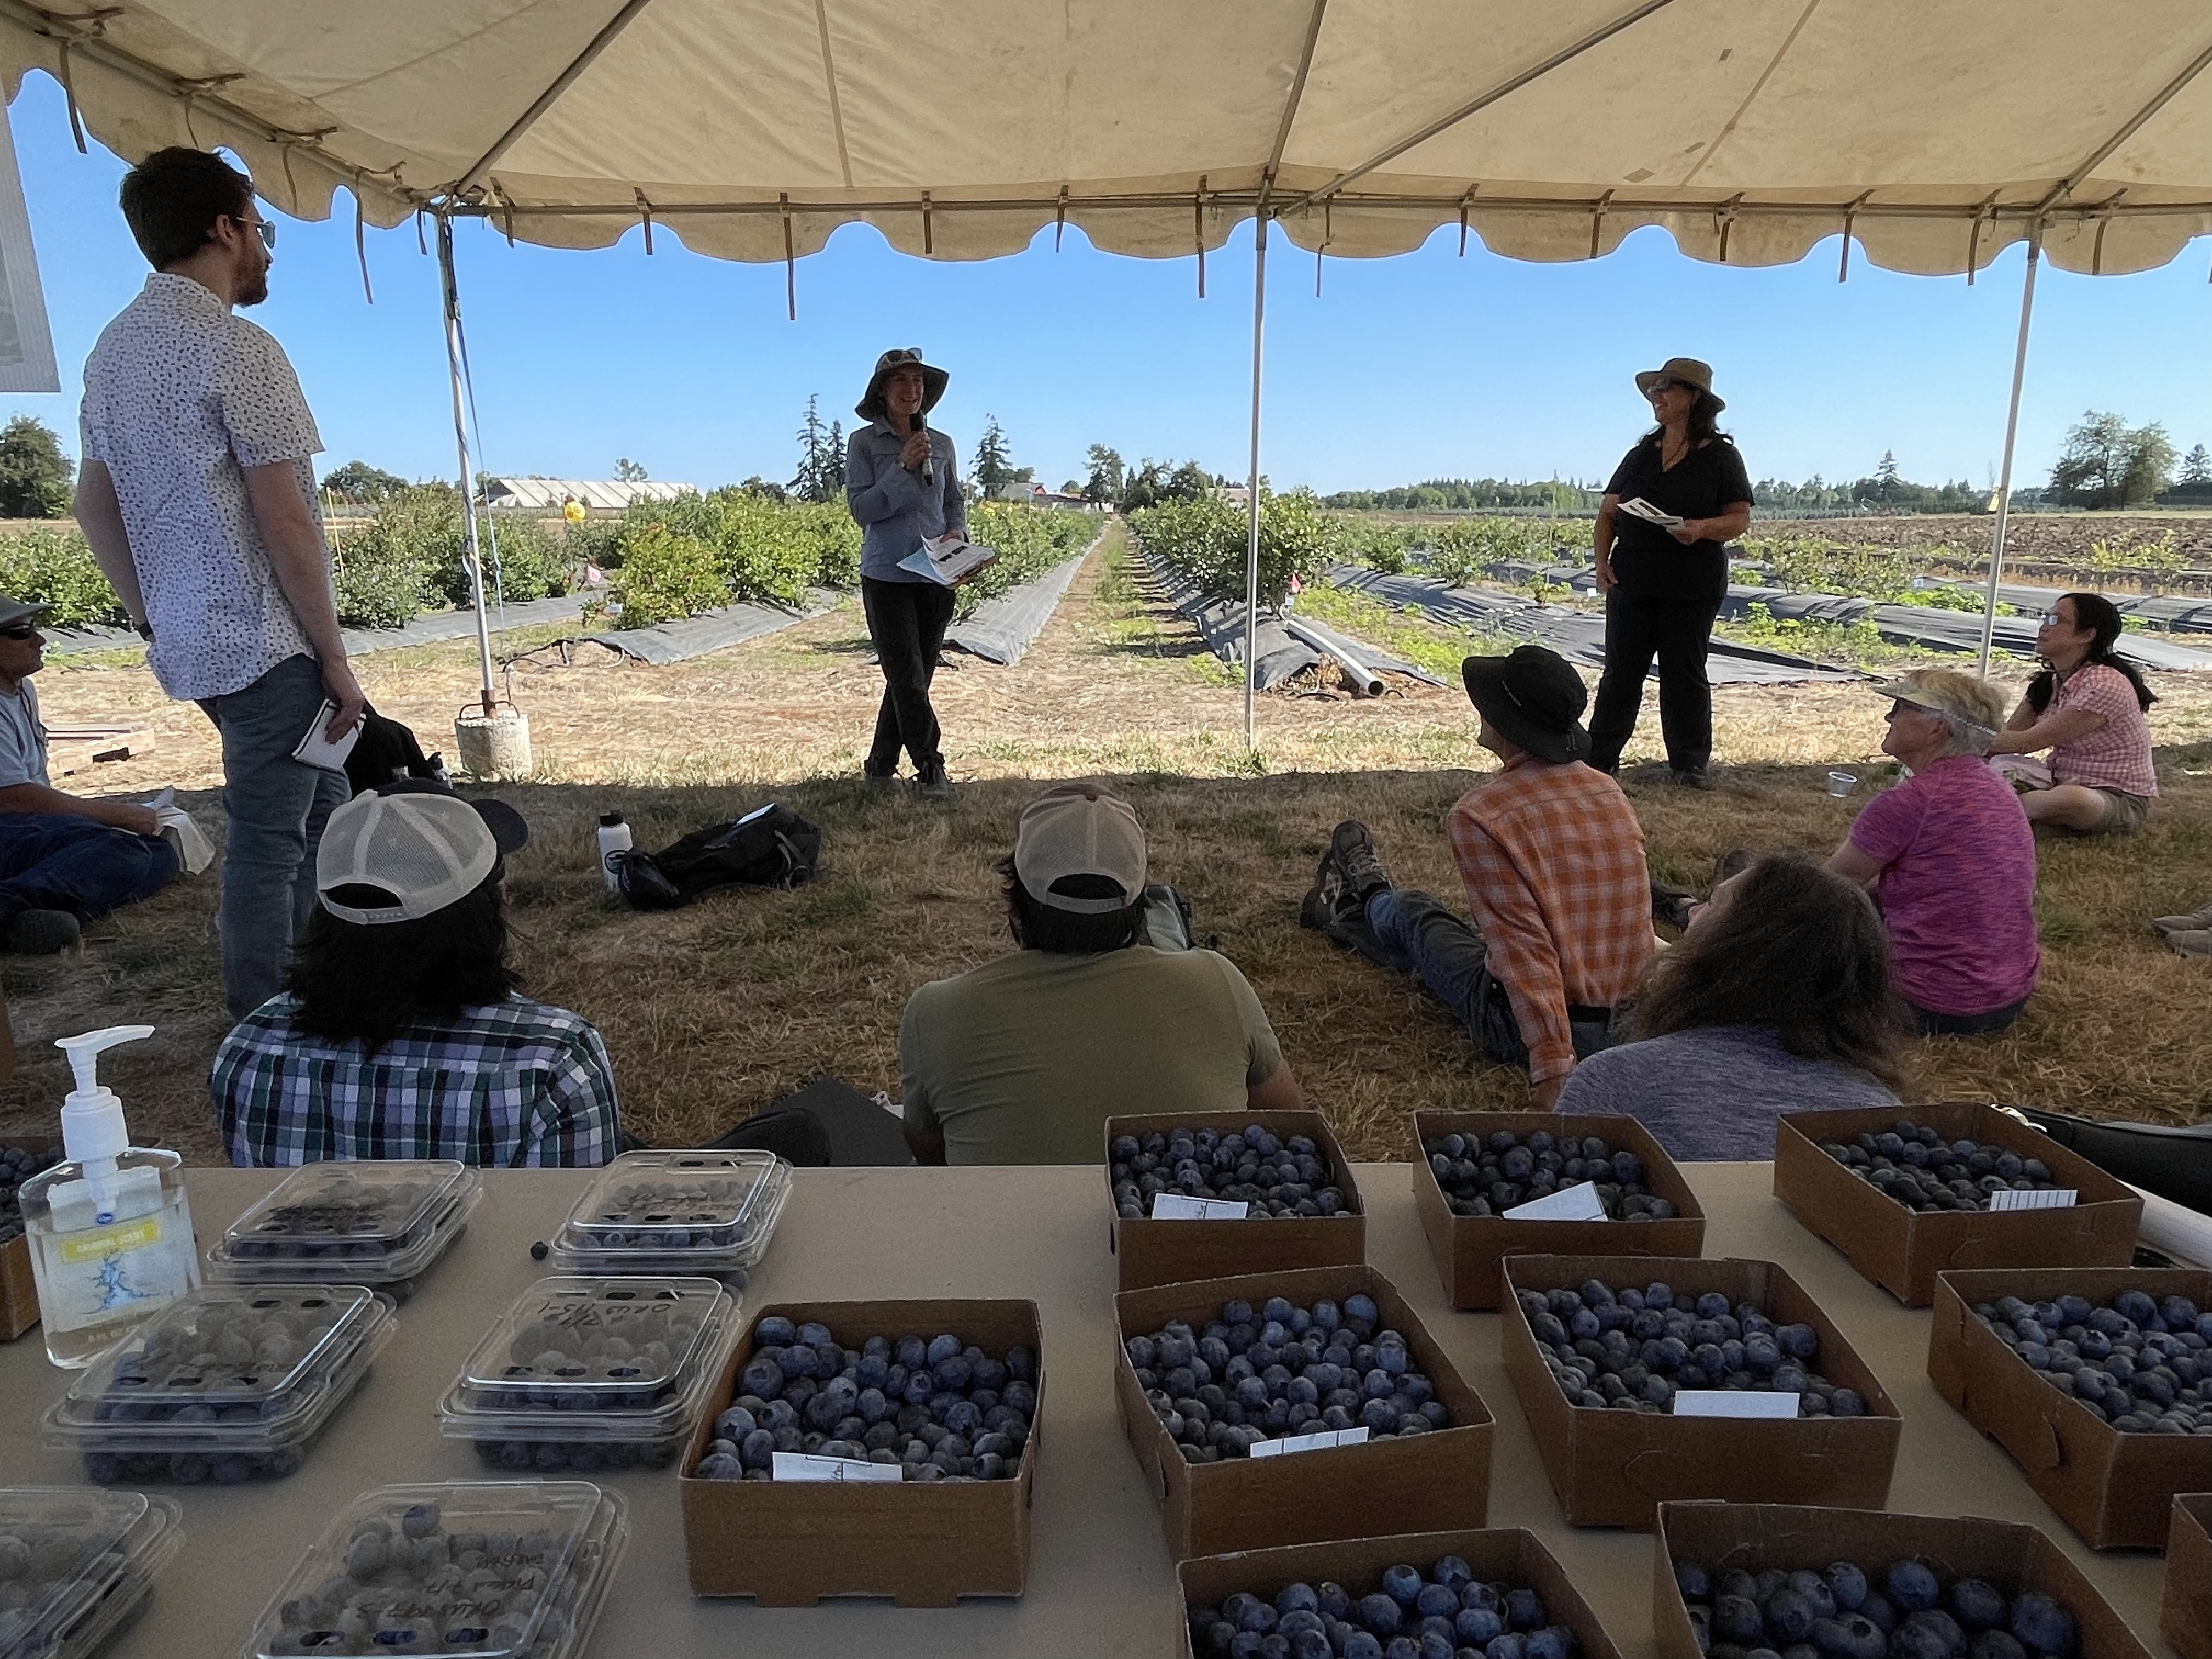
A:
(1671, 904)
(2191, 941)
(884, 780)
(40, 933)
(2195, 921)
(1357, 861)
(1326, 902)
(1689, 777)
(931, 783)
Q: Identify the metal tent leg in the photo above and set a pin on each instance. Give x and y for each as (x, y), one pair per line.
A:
(475, 559)
(2004, 476)
(1252, 542)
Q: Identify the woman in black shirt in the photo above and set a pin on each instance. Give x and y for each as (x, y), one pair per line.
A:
(1664, 583)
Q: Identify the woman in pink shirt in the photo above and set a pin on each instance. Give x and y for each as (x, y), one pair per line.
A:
(2088, 708)
(1951, 861)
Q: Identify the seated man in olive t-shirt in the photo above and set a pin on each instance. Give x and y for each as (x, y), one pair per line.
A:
(1022, 1060)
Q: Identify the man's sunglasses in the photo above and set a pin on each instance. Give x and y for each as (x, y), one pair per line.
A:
(267, 230)
(20, 631)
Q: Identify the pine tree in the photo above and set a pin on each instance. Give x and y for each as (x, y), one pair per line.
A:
(995, 468)
(821, 474)
(1885, 474)
(2197, 467)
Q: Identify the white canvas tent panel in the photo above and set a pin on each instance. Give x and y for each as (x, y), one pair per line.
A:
(550, 494)
(1939, 129)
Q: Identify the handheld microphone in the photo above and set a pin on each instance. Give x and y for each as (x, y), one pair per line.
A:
(928, 462)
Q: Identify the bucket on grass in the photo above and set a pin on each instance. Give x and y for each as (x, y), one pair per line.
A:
(495, 745)
(1842, 783)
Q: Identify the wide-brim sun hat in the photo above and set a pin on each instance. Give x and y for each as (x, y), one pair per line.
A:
(13, 611)
(417, 841)
(933, 379)
(1687, 370)
(1534, 697)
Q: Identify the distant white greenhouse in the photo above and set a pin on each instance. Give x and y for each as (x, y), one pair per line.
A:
(552, 495)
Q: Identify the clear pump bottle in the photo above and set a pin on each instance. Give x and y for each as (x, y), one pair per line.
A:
(110, 1230)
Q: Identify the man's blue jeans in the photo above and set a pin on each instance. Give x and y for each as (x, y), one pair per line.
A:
(54, 861)
(1422, 935)
(274, 809)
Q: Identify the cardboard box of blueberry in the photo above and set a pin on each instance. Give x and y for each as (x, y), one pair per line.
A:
(1734, 1386)
(380, 1224)
(933, 1407)
(1737, 1580)
(1496, 1595)
(2099, 1383)
(229, 1382)
(1285, 1169)
(1905, 1199)
(1281, 1408)
(18, 1291)
(1473, 1167)
(75, 1565)
(453, 1569)
(2185, 1616)
(586, 1373)
(948, 1513)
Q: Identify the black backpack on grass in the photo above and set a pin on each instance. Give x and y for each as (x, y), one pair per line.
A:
(771, 846)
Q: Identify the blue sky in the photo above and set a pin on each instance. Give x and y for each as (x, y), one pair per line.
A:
(1425, 365)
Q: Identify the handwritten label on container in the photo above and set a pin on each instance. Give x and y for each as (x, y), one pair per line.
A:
(1579, 1202)
(1321, 1441)
(1733, 1402)
(1178, 1206)
(2053, 1198)
(805, 1465)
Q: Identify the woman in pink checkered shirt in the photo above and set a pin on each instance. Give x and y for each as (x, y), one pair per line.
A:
(2088, 708)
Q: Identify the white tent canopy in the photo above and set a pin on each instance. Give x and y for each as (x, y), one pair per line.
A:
(1937, 132)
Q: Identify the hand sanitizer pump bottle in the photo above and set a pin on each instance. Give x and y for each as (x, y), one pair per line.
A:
(110, 1231)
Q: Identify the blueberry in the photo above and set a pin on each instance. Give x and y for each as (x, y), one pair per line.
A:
(1995, 1644)
(1553, 1642)
(1512, 1645)
(1976, 1605)
(2041, 1626)
(1361, 1644)
(1380, 1613)
(1402, 1584)
(1524, 1610)
(1790, 1614)
(1736, 1619)
(1849, 1636)
(1476, 1627)
(1847, 1583)
(1911, 1587)
(1436, 1600)
(1929, 1633)
(1693, 1581)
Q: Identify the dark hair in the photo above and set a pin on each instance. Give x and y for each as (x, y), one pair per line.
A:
(1064, 932)
(2102, 618)
(171, 199)
(1704, 412)
(355, 980)
(1797, 951)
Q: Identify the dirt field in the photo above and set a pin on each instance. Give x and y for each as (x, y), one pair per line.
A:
(711, 1013)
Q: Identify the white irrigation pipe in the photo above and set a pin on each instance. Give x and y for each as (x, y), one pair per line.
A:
(1365, 680)
(2004, 477)
(1252, 541)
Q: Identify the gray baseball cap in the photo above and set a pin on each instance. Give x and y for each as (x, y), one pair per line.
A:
(21, 610)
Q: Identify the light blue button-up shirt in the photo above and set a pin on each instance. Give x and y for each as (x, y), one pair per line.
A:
(894, 509)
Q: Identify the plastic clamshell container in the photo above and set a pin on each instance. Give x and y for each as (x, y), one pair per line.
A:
(377, 1224)
(675, 1213)
(553, 1545)
(93, 1559)
(631, 1360)
(228, 1383)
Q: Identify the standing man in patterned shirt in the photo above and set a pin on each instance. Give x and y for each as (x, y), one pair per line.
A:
(197, 493)
(1552, 858)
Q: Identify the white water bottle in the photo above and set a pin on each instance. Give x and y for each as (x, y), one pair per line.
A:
(614, 837)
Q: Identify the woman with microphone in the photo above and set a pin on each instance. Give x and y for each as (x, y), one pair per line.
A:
(903, 485)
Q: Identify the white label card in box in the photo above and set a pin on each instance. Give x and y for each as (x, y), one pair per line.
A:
(2050, 1198)
(1179, 1207)
(1733, 1402)
(1321, 1441)
(1579, 1202)
(805, 1465)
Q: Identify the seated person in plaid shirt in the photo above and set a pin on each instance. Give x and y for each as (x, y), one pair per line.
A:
(1552, 860)
(401, 1035)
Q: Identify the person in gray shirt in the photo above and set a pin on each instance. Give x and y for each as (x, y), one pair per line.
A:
(1778, 998)
(62, 856)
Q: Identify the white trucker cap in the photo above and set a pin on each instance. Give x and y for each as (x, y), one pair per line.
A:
(1079, 829)
(425, 847)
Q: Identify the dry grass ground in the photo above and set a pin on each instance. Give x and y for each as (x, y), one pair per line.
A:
(711, 1012)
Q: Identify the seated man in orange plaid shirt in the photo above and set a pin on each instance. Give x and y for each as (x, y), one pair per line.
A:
(1553, 859)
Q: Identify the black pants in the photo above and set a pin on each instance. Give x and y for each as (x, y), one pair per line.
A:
(1638, 627)
(907, 622)
(1926, 1022)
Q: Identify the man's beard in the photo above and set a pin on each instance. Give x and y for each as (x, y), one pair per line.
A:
(253, 290)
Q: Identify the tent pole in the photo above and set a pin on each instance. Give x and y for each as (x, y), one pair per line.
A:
(2004, 476)
(1252, 540)
(452, 293)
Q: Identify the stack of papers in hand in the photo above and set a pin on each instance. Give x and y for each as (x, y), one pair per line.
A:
(949, 559)
(1638, 507)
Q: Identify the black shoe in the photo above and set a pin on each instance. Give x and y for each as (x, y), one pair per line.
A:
(1361, 867)
(1689, 777)
(1670, 904)
(883, 779)
(931, 783)
(1326, 903)
(40, 933)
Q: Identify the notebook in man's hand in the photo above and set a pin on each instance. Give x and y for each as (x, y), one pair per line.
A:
(948, 560)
